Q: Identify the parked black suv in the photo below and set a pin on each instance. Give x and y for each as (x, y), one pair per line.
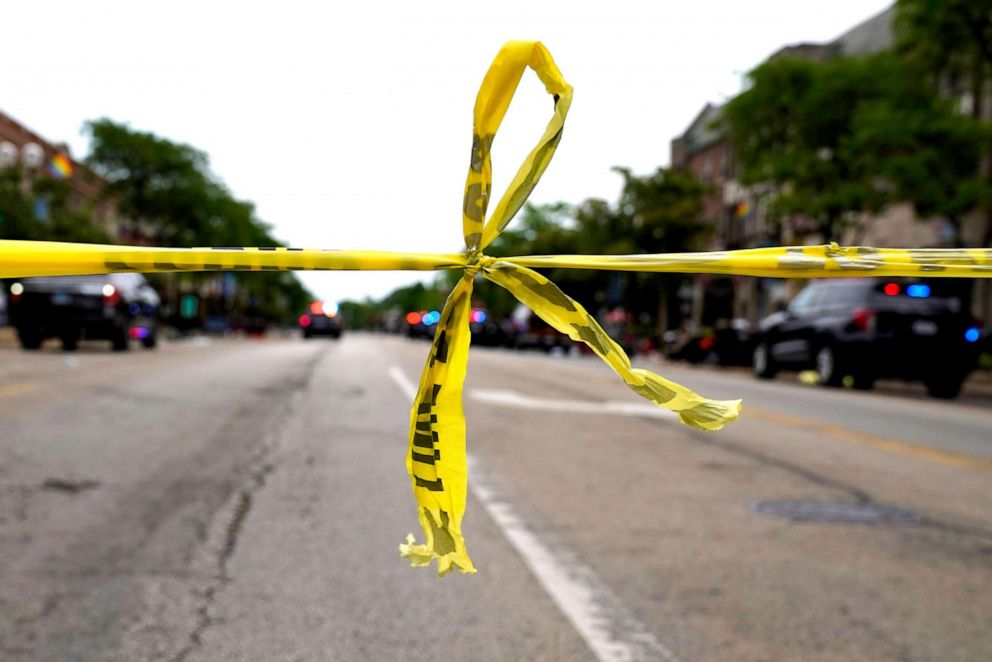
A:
(114, 307)
(858, 330)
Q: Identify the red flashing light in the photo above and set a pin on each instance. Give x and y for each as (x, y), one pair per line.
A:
(317, 307)
(892, 289)
(864, 319)
(413, 318)
(304, 321)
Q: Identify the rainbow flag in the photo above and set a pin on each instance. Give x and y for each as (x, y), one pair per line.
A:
(60, 166)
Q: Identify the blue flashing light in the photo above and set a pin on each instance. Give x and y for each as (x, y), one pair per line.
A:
(918, 291)
(481, 317)
(431, 318)
(972, 334)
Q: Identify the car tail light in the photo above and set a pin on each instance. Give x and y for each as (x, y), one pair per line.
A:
(864, 319)
(111, 297)
(304, 321)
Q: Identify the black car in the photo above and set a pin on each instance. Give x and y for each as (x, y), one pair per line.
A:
(854, 331)
(323, 319)
(728, 343)
(114, 307)
(528, 331)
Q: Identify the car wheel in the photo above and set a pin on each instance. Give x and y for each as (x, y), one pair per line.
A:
(761, 362)
(864, 382)
(150, 341)
(945, 388)
(70, 343)
(827, 369)
(119, 340)
(30, 339)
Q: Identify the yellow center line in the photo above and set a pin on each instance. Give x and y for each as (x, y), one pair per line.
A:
(919, 451)
(17, 389)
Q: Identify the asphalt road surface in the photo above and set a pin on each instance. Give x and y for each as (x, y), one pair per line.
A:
(243, 500)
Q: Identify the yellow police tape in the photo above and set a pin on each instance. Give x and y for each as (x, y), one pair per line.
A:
(436, 457)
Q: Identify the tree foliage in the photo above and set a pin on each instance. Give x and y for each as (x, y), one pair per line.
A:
(950, 38)
(852, 135)
(61, 221)
(659, 212)
(169, 186)
(951, 41)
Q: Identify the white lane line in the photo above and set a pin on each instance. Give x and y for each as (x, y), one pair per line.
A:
(612, 633)
(408, 388)
(513, 399)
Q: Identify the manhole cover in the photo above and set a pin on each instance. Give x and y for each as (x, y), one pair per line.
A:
(807, 510)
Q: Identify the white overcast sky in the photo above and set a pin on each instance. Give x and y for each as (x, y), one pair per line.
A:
(349, 124)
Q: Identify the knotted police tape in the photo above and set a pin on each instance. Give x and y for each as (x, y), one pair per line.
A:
(436, 457)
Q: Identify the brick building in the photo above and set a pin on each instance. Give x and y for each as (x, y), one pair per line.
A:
(37, 158)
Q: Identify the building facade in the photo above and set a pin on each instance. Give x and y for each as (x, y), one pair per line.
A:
(38, 158)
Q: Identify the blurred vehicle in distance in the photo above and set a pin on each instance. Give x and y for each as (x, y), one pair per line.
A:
(114, 307)
(420, 324)
(854, 331)
(526, 330)
(321, 320)
(729, 343)
(216, 324)
(486, 331)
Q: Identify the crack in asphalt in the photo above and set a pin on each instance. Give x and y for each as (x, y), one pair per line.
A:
(242, 507)
(860, 496)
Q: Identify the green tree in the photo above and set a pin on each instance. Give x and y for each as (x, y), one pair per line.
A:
(163, 183)
(656, 213)
(853, 135)
(170, 186)
(659, 212)
(545, 229)
(16, 214)
(63, 221)
(952, 42)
